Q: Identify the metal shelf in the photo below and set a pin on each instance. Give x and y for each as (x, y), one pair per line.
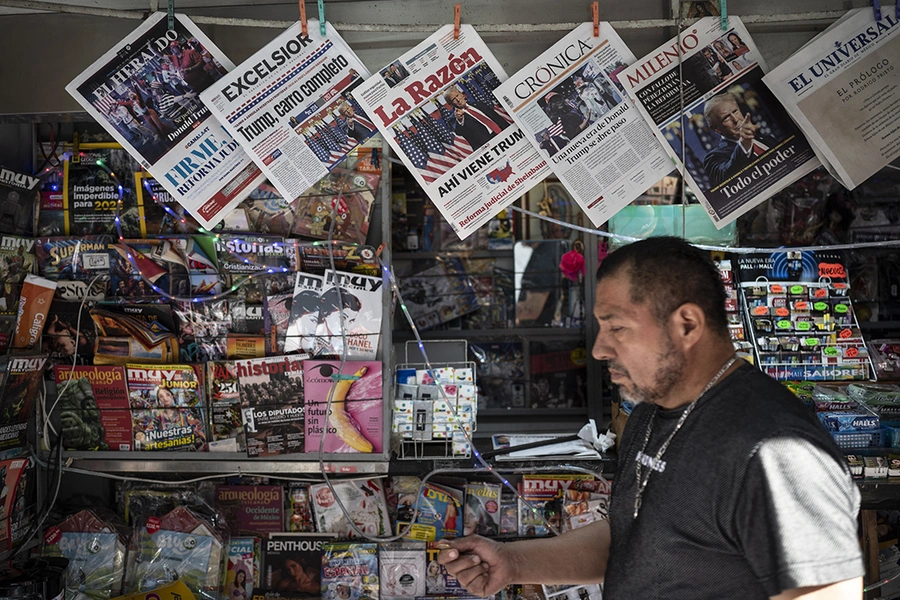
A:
(213, 462)
(498, 334)
(549, 413)
(452, 254)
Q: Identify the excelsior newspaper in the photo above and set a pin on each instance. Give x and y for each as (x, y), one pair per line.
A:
(291, 108)
(571, 106)
(843, 90)
(145, 93)
(739, 145)
(436, 107)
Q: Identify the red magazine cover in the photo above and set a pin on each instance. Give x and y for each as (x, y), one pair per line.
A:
(93, 407)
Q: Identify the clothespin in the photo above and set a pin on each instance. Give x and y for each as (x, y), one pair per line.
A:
(322, 17)
(303, 27)
(171, 15)
(876, 4)
(595, 13)
(456, 10)
(723, 14)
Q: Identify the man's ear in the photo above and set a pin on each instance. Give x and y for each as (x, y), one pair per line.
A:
(687, 323)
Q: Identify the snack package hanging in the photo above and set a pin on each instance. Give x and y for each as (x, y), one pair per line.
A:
(436, 108)
(291, 106)
(364, 501)
(144, 92)
(179, 546)
(350, 570)
(402, 568)
(299, 513)
(95, 548)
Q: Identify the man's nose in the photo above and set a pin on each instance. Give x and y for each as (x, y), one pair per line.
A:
(601, 350)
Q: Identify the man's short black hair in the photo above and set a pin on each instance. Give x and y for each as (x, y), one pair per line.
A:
(668, 272)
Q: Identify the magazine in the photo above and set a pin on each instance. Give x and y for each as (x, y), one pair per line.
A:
(440, 513)
(439, 294)
(482, 512)
(94, 410)
(18, 202)
(350, 570)
(301, 331)
(355, 421)
(224, 397)
(402, 566)
(145, 93)
(347, 257)
(63, 339)
(134, 332)
(67, 258)
(277, 315)
(248, 254)
(842, 91)
(740, 146)
(254, 510)
(292, 562)
(290, 106)
(299, 516)
(16, 261)
(17, 403)
(318, 205)
(242, 574)
(572, 109)
(272, 400)
(167, 407)
(158, 211)
(269, 213)
(436, 108)
(350, 307)
(545, 493)
(90, 195)
(364, 500)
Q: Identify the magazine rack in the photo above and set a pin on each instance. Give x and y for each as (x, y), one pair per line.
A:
(441, 354)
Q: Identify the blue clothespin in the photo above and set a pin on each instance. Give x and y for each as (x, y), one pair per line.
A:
(876, 4)
(171, 15)
(322, 17)
(723, 14)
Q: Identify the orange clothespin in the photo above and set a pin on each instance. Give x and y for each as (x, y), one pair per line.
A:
(456, 22)
(303, 27)
(595, 12)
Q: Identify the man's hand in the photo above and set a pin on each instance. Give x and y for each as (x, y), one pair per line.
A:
(481, 565)
(748, 132)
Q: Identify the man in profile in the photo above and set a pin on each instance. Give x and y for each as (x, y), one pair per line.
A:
(727, 487)
(741, 142)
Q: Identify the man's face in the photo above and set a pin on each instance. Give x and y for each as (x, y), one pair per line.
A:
(643, 362)
(349, 112)
(726, 119)
(459, 113)
(457, 99)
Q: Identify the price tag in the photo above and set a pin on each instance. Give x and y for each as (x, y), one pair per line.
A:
(851, 352)
(804, 325)
(782, 312)
(797, 289)
(820, 306)
(811, 341)
(783, 324)
(801, 305)
(760, 311)
(776, 288)
(830, 351)
(820, 293)
(841, 308)
(845, 333)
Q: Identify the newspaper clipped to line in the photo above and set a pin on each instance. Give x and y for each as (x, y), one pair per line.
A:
(290, 106)
(843, 89)
(571, 106)
(740, 146)
(146, 93)
(436, 107)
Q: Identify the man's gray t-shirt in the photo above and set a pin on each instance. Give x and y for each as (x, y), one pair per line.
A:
(754, 499)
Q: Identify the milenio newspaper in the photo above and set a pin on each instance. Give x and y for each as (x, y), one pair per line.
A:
(571, 106)
(843, 89)
(291, 108)
(435, 106)
(740, 146)
(145, 92)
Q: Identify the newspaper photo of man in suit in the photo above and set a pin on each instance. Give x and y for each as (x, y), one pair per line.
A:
(741, 142)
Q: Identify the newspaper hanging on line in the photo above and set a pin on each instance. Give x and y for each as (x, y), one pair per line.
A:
(290, 106)
(436, 107)
(571, 106)
(740, 146)
(843, 89)
(146, 93)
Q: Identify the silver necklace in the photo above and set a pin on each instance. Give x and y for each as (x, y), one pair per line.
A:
(643, 480)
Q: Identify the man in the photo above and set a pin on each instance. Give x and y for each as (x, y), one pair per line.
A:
(484, 113)
(596, 104)
(355, 130)
(192, 67)
(572, 122)
(548, 145)
(739, 493)
(173, 108)
(741, 141)
(471, 129)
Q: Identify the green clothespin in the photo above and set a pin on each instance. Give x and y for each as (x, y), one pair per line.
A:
(723, 12)
(322, 17)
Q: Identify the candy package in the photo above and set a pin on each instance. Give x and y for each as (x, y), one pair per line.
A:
(362, 498)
